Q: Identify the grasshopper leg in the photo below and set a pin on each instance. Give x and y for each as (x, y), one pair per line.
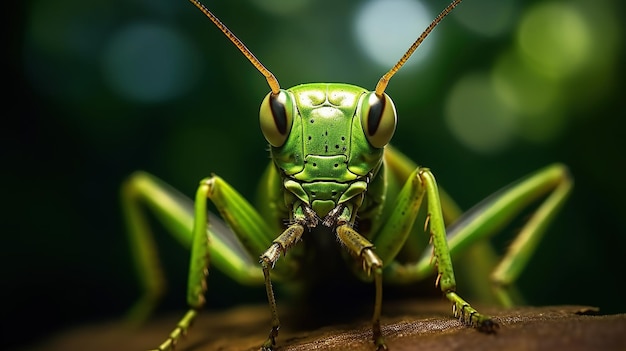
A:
(279, 246)
(209, 239)
(393, 234)
(443, 261)
(372, 264)
(552, 185)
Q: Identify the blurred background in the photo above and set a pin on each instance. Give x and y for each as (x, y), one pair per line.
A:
(101, 88)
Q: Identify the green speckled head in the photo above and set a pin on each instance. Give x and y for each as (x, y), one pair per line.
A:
(327, 140)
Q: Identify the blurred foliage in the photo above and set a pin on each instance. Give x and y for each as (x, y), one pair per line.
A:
(102, 88)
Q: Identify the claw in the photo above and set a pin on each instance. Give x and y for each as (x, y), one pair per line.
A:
(268, 345)
(382, 347)
(379, 341)
(469, 316)
(488, 326)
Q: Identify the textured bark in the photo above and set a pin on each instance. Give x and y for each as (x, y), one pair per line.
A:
(407, 326)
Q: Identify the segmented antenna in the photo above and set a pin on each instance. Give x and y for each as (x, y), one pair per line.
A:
(271, 80)
(384, 80)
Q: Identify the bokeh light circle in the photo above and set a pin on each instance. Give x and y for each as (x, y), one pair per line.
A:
(386, 29)
(477, 117)
(555, 38)
(150, 63)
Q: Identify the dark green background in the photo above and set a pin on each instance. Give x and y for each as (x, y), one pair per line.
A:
(69, 140)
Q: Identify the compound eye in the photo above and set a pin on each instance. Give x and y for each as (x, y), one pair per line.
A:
(276, 117)
(378, 118)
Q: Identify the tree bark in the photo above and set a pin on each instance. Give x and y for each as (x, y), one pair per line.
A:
(423, 325)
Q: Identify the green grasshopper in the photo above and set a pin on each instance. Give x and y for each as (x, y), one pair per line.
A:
(333, 175)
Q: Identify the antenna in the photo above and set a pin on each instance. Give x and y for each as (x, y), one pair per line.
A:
(384, 80)
(271, 80)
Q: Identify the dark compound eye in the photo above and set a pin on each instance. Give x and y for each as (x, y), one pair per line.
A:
(378, 118)
(276, 117)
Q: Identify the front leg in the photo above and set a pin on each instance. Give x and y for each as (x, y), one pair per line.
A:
(280, 246)
(303, 217)
(372, 264)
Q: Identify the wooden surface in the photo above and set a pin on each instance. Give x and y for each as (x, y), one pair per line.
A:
(407, 326)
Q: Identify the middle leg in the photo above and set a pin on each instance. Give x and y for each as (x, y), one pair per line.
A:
(393, 235)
